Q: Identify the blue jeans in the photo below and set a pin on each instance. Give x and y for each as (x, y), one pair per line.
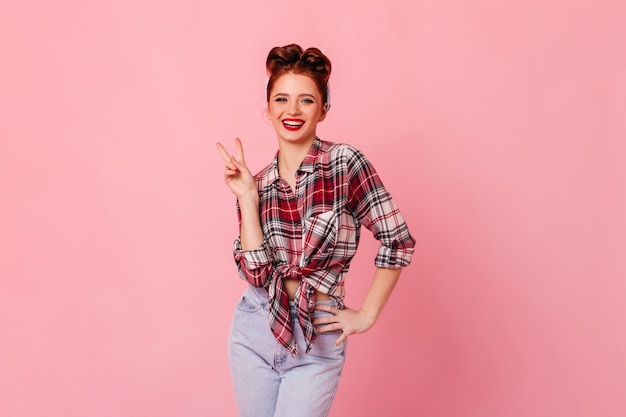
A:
(268, 380)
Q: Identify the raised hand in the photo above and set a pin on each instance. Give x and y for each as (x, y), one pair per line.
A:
(237, 175)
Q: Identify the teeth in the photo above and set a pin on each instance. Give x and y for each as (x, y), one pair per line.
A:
(293, 123)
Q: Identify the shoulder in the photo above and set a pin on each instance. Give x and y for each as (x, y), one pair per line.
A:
(341, 150)
(351, 157)
(343, 157)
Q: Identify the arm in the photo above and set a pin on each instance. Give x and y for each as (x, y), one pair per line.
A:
(373, 206)
(385, 280)
(250, 254)
(250, 229)
(241, 182)
(358, 321)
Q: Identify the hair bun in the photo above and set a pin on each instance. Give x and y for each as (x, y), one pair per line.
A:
(293, 58)
(282, 57)
(317, 62)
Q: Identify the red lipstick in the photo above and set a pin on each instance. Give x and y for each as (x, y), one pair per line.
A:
(293, 124)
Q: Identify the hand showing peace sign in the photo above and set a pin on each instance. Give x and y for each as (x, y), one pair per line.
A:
(237, 175)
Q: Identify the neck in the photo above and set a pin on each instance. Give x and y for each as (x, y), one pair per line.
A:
(290, 155)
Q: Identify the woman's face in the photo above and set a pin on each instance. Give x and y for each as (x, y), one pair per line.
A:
(295, 108)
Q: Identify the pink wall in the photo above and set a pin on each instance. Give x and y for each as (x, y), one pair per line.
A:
(500, 130)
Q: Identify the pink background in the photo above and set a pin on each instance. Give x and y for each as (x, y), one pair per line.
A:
(499, 128)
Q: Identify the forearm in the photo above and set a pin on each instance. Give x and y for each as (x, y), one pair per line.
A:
(383, 283)
(250, 231)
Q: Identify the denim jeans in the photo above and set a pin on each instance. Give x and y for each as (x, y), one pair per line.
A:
(268, 380)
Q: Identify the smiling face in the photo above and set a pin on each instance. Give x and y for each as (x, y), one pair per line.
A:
(295, 108)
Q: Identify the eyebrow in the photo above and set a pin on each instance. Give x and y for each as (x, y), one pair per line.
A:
(301, 95)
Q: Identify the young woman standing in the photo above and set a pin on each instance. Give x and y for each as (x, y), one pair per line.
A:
(300, 220)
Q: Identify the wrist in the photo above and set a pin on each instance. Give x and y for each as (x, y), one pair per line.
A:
(370, 316)
(249, 198)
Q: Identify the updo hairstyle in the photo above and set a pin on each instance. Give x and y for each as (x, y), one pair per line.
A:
(292, 59)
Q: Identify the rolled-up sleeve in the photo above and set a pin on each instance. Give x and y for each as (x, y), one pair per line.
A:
(255, 266)
(372, 204)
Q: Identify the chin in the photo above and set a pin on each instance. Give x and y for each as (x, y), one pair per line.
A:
(297, 138)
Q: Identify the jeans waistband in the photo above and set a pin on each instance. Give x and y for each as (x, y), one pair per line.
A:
(292, 304)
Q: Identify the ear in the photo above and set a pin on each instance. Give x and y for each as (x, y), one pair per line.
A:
(324, 112)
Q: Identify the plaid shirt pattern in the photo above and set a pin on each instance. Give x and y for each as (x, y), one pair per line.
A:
(312, 233)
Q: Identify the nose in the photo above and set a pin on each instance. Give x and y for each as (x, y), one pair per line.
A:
(294, 107)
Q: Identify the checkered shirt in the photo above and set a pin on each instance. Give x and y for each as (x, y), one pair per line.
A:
(311, 235)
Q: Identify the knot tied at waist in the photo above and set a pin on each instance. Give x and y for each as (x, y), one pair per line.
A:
(289, 271)
(304, 301)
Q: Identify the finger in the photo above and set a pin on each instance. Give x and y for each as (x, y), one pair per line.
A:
(324, 320)
(240, 166)
(327, 308)
(223, 151)
(341, 338)
(230, 165)
(239, 147)
(328, 328)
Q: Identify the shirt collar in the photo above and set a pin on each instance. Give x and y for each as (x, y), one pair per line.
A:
(308, 163)
(310, 160)
(272, 173)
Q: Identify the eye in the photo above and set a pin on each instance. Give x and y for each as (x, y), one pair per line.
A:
(280, 99)
(308, 101)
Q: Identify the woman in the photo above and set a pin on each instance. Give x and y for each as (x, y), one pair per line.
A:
(300, 221)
